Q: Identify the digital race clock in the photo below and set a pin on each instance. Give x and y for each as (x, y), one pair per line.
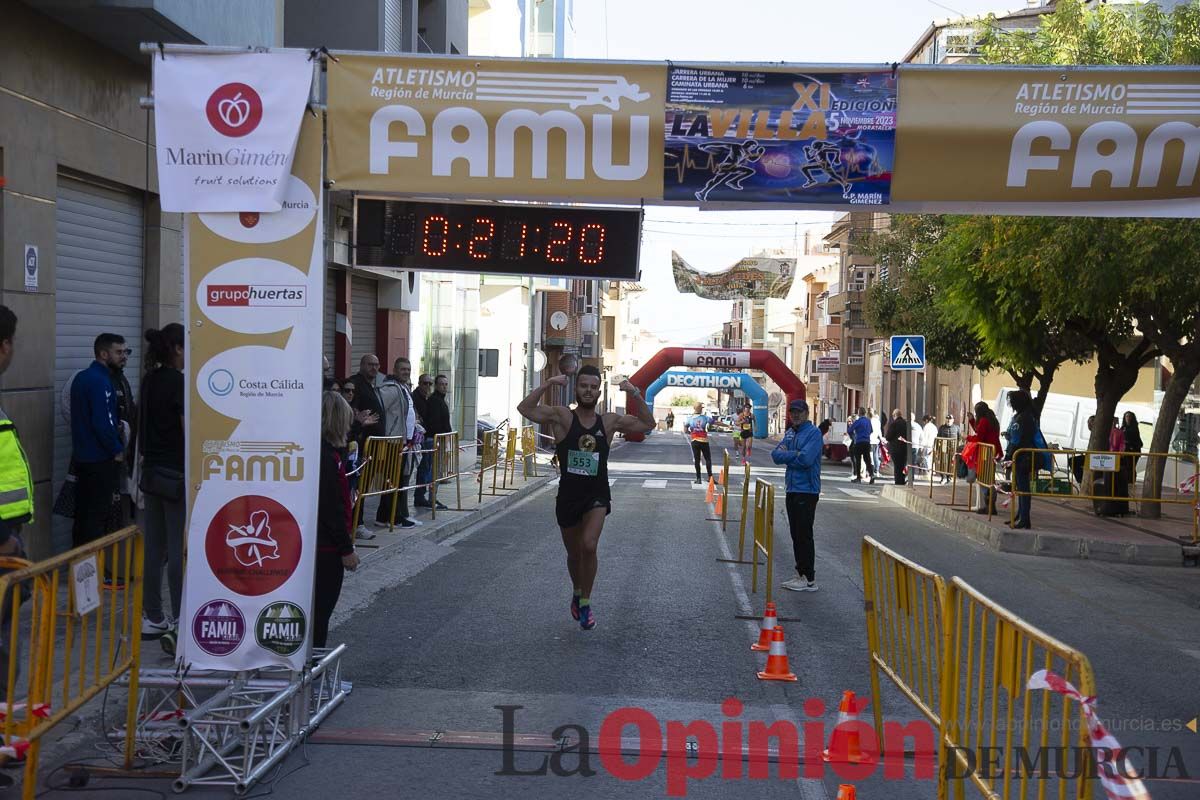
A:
(578, 242)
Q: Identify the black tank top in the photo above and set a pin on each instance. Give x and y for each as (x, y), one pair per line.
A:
(583, 460)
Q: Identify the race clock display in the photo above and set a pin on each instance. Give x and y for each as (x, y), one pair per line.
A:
(577, 242)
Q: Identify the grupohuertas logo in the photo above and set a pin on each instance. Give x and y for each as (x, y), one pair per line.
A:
(234, 110)
(281, 628)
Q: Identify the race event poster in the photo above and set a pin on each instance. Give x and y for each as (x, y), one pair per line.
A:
(765, 136)
(753, 278)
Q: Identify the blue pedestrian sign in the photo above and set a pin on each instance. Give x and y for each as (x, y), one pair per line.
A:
(908, 352)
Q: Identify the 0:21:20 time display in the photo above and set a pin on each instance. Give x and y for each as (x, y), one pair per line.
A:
(482, 238)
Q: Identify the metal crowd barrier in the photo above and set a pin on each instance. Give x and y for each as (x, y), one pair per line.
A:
(380, 475)
(989, 655)
(489, 458)
(764, 533)
(529, 451)
(446, 467)
(724, 518)
(904, 605)
(82, 638)
(985, 475)
(964, 662)
(945, 459)
(510, 457)
(1115, 465)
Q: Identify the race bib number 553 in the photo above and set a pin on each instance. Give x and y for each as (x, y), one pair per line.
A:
(582, 463)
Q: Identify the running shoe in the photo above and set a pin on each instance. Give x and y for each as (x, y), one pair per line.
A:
(575, 607)
(587, 620)
(152, 629)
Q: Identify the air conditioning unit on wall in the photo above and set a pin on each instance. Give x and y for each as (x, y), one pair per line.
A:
(401, 294)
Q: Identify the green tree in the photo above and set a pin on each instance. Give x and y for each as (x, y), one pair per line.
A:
(1126, 286)
(684, 400)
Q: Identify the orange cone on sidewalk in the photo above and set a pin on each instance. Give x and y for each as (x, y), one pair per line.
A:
(708, 496)
(846, 792)
(777, 662)
(720, 508)
(769, 623)
(845, 746)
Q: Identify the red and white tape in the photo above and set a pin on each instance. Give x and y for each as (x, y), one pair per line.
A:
(40, 710)
(1114, 769)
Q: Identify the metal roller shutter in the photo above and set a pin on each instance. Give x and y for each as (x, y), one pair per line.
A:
(364, 305)
(98, 288)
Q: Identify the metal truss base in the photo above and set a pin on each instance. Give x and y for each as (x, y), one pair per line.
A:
(231, 729)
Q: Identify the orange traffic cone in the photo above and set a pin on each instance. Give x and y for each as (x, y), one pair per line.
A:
(777, 663)
(708, 496)
(846, 792)
(769, 623)
(845, 746)
(724, 479)
(720, 508)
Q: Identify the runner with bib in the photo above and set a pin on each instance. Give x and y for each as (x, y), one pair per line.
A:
(582, 443)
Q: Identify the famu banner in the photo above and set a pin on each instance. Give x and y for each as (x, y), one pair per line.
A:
(787, 135)
(1093, 141)
(226, 127)
(493, 128)
(751, 278)
(253, 426)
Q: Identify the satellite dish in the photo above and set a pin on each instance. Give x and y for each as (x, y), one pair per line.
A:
(558, 320)
(539, 360)
(774, 399)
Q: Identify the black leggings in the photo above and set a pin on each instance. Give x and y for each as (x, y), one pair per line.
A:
(858, 452)
(698, 449)
(327, 589)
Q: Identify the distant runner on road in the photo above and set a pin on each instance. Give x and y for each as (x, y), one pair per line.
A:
(581, 444)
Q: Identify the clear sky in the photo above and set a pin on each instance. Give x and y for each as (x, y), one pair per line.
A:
(797, 31)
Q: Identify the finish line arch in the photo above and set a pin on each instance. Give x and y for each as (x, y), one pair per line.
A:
(712, 358)
(717, 380)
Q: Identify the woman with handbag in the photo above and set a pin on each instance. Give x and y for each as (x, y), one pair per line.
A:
(162, 451)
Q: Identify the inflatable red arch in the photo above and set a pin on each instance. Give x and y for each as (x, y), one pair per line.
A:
(763, 360)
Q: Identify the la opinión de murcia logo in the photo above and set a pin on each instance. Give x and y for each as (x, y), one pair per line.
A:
(234, 110)
(252, 544)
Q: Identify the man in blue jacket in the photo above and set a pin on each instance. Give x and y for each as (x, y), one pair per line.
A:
(800, 451)
(860, 446)
(96, 441)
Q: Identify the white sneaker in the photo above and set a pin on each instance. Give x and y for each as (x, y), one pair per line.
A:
(363, 533)
(800, 585)
(151, 628)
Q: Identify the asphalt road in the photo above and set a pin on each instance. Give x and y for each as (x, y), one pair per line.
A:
(487, 625)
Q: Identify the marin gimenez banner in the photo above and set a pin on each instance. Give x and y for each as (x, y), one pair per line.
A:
(775, 136)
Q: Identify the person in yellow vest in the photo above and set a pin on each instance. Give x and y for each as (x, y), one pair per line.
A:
(16, 493)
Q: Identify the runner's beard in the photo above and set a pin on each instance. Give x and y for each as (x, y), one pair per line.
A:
(583, 403)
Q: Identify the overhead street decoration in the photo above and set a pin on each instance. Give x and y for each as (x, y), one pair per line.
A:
(751, 278)
(779, 135)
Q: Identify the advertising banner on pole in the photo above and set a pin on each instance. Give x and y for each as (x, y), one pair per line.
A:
(811, 137)
(755, 278)
(253, 407)
(496, 128)
(226, 127)
(1094, 141)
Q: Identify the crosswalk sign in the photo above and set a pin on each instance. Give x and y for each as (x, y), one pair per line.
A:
(908, 352)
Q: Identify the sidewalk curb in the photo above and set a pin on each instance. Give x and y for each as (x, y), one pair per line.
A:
(1034, 543)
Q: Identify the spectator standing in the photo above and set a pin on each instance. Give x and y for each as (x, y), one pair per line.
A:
(401, 423)
(897, 438)
(670, 419)
(929, 435)
(800, 451)
(127, 425)
(1022, 433)
(96, 444)
(987, 431)
(860, 433)
(335, 546)
(367, 401)
(16, 489)
(437, 420)
(950, 430)
(162, 448)
(425, 464)
(877, 426)
(1133, 442)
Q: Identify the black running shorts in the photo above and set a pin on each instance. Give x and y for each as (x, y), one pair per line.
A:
(570, 510)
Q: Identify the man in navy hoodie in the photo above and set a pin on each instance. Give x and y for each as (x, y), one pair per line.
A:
(860, 446)
(800, 451)
(96, 441)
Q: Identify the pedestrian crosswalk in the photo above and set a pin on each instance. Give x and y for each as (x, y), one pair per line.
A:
(834, 493)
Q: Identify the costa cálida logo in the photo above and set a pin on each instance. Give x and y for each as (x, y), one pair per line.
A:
(252, 295)
(234, 110)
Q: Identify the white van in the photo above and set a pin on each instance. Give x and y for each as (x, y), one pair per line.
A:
(1064, 418)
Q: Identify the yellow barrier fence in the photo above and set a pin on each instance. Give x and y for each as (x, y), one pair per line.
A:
(904, 603)
(82, 638)
(445, 469)
(380, 473)
(988, 713)
(985, 477)
(1114, 471)
(745, 514)
(529, 450)
(510, 456)
(764, 533)
(489, 458)
(945, 461)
